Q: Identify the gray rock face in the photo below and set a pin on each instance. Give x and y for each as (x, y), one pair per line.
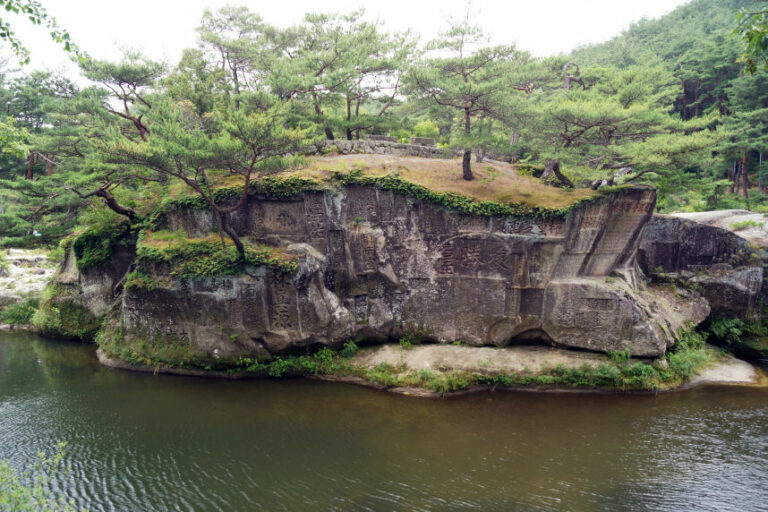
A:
(750, 225)
(728, 269)
(375, 264)
(95, 289)
(380, 147)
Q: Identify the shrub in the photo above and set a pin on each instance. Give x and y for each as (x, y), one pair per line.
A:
(19, 313)
(426, 128)
(350, 349)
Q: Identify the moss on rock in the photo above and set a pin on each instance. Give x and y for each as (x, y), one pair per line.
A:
(95, 246)
(61, 314)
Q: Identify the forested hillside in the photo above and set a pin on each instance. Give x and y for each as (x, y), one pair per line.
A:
(696, 43)
(666, 103)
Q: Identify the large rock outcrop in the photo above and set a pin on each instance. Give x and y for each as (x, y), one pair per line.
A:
(728, 270)
(375, 264)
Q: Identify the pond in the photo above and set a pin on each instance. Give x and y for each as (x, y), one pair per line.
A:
(161, 443)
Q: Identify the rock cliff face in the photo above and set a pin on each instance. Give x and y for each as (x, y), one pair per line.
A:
(375, 265)
(77, 301)
(728, 270)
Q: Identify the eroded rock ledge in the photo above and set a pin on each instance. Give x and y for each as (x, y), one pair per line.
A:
(377, 265)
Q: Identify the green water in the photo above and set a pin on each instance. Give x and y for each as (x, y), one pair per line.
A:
(157, 443)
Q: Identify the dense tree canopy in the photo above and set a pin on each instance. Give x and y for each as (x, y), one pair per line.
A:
(669, 102)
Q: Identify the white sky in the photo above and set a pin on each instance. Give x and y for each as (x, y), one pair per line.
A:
(162, 28)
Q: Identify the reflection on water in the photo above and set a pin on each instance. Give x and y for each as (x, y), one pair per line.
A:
(141, 442)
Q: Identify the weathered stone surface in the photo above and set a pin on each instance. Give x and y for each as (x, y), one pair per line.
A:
(26, 275)
(749, 225)
(727, 269)
(375, 265)
(95, 289)
(379, 147)
(381, 138)
(423, 141)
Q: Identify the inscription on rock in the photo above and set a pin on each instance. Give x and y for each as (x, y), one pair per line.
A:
(282, 219)
(470, 256)
(361, 309)
(531, 301)
(316, 219)
(364, 253)
(282, 306)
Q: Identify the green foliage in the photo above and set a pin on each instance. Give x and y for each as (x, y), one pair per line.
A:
(753, 29)
(350, 349)
(30, 490)
(687, 355)
(37, 15)
(621, 357)
(154, 351)
(19, 313)
(139, 280)
(727, 330)
(413, 335)
(12, 140)
(61, 314)
(94, 247)
(736, 226)
(272, 187)
(189, 258)
(426, 128)
(529, 169)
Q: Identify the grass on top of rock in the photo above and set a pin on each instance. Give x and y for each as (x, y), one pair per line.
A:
(499, 189)
(494, 181)
(744, 224)
(201, 257)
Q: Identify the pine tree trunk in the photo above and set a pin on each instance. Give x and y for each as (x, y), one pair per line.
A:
(119, 209)
(30, 163)
(745, 177)
(348, 129)
(466, 167)
(233, 235)
(466, 164)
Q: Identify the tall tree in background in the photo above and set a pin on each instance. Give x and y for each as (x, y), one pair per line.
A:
(232, 36)
(467, 77)
(747, 127)
(617, 120)
(347, 71)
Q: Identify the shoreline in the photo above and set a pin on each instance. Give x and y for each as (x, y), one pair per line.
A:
(729, 372)
(22, 328)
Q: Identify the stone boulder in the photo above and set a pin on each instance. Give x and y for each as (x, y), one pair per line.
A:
(748, 225)
(728, 270)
